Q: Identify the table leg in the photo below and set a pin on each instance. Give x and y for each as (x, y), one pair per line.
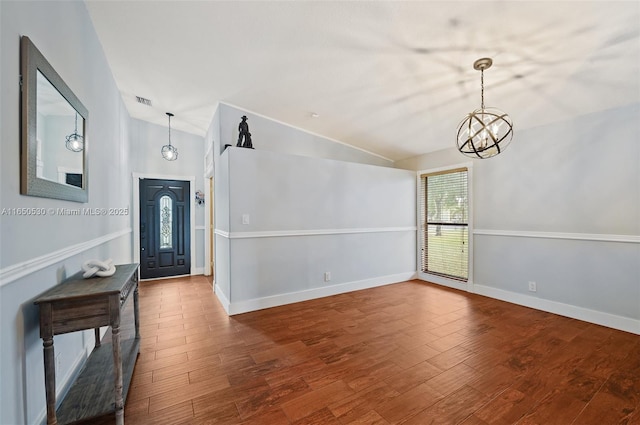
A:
(50, 379)
(136, 312)
(117, 360)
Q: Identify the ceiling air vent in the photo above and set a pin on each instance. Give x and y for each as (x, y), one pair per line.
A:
(143, 100)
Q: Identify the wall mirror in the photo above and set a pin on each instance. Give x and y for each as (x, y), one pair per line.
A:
(53, 154)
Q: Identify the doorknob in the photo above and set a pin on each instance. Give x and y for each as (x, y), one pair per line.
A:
(142, 249)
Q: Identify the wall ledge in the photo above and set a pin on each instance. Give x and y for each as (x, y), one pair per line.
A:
(12, 273)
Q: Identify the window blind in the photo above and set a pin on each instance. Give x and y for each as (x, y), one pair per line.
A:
(445, 229)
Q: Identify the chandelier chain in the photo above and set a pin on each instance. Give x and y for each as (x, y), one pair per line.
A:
(169, 129)
(482, 88)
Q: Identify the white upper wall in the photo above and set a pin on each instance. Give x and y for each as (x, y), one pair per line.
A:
(271, 135)
(578, 176)
(147, 140)
(291, 193)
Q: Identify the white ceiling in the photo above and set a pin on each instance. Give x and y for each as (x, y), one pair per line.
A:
(394, 78)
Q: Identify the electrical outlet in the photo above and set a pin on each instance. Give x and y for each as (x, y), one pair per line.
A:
(532, 286)
(327, 276)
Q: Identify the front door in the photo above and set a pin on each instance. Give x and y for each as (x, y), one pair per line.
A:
(165, 248)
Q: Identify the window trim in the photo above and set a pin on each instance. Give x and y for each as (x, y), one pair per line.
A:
(434, 278)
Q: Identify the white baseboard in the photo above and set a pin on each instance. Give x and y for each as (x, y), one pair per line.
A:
(222, 298)
(592, 316)
(444, 281)
(309, 294)
(194, 271)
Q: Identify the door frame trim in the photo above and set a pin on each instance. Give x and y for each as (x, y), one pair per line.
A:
(208, 240)
(136, 177)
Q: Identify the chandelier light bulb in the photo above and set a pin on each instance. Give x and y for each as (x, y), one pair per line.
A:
(74, 144)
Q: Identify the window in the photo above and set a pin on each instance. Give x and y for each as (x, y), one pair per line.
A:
(166, 222)
(445, 224)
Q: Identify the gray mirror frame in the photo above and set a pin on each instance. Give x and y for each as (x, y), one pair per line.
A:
(32, 61)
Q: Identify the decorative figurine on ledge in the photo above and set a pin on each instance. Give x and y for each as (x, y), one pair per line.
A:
(247, 141)
(243, 130)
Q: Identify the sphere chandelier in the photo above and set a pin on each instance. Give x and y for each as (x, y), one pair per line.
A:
(169, 152)
(75, 142)
(484, 132)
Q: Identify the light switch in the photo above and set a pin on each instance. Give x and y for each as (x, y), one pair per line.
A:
(245, 218)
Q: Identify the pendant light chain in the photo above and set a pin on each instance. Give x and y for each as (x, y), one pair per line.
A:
(482, 88)
(170, 129)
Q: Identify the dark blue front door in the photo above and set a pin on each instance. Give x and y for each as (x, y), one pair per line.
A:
(165, 248)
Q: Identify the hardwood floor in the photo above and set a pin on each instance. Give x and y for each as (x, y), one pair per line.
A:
(409, 353)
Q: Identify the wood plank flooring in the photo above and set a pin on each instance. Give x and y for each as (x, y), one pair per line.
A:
(411, 353)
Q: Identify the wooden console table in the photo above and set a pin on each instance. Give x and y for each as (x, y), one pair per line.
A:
(77, 304)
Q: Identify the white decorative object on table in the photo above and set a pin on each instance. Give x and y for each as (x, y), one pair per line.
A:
(93, 268)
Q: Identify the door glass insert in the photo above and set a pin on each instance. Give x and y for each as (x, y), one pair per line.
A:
(166, 222)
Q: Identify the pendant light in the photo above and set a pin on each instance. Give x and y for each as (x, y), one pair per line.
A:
(75, 142)
(170, 153)
(485, 132)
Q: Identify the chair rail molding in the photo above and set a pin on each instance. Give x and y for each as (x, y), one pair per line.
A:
(310, 232)
(597, 237)
(16, 271)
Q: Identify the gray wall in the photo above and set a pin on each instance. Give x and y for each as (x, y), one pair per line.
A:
(38, 252)
(308, 216)
(146, 142)
(314, 205)
(560, 207)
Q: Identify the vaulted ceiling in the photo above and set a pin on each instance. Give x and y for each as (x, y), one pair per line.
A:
(391, 77)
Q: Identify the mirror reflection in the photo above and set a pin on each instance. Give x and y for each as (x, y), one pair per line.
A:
(60, 136)
(53, 132)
